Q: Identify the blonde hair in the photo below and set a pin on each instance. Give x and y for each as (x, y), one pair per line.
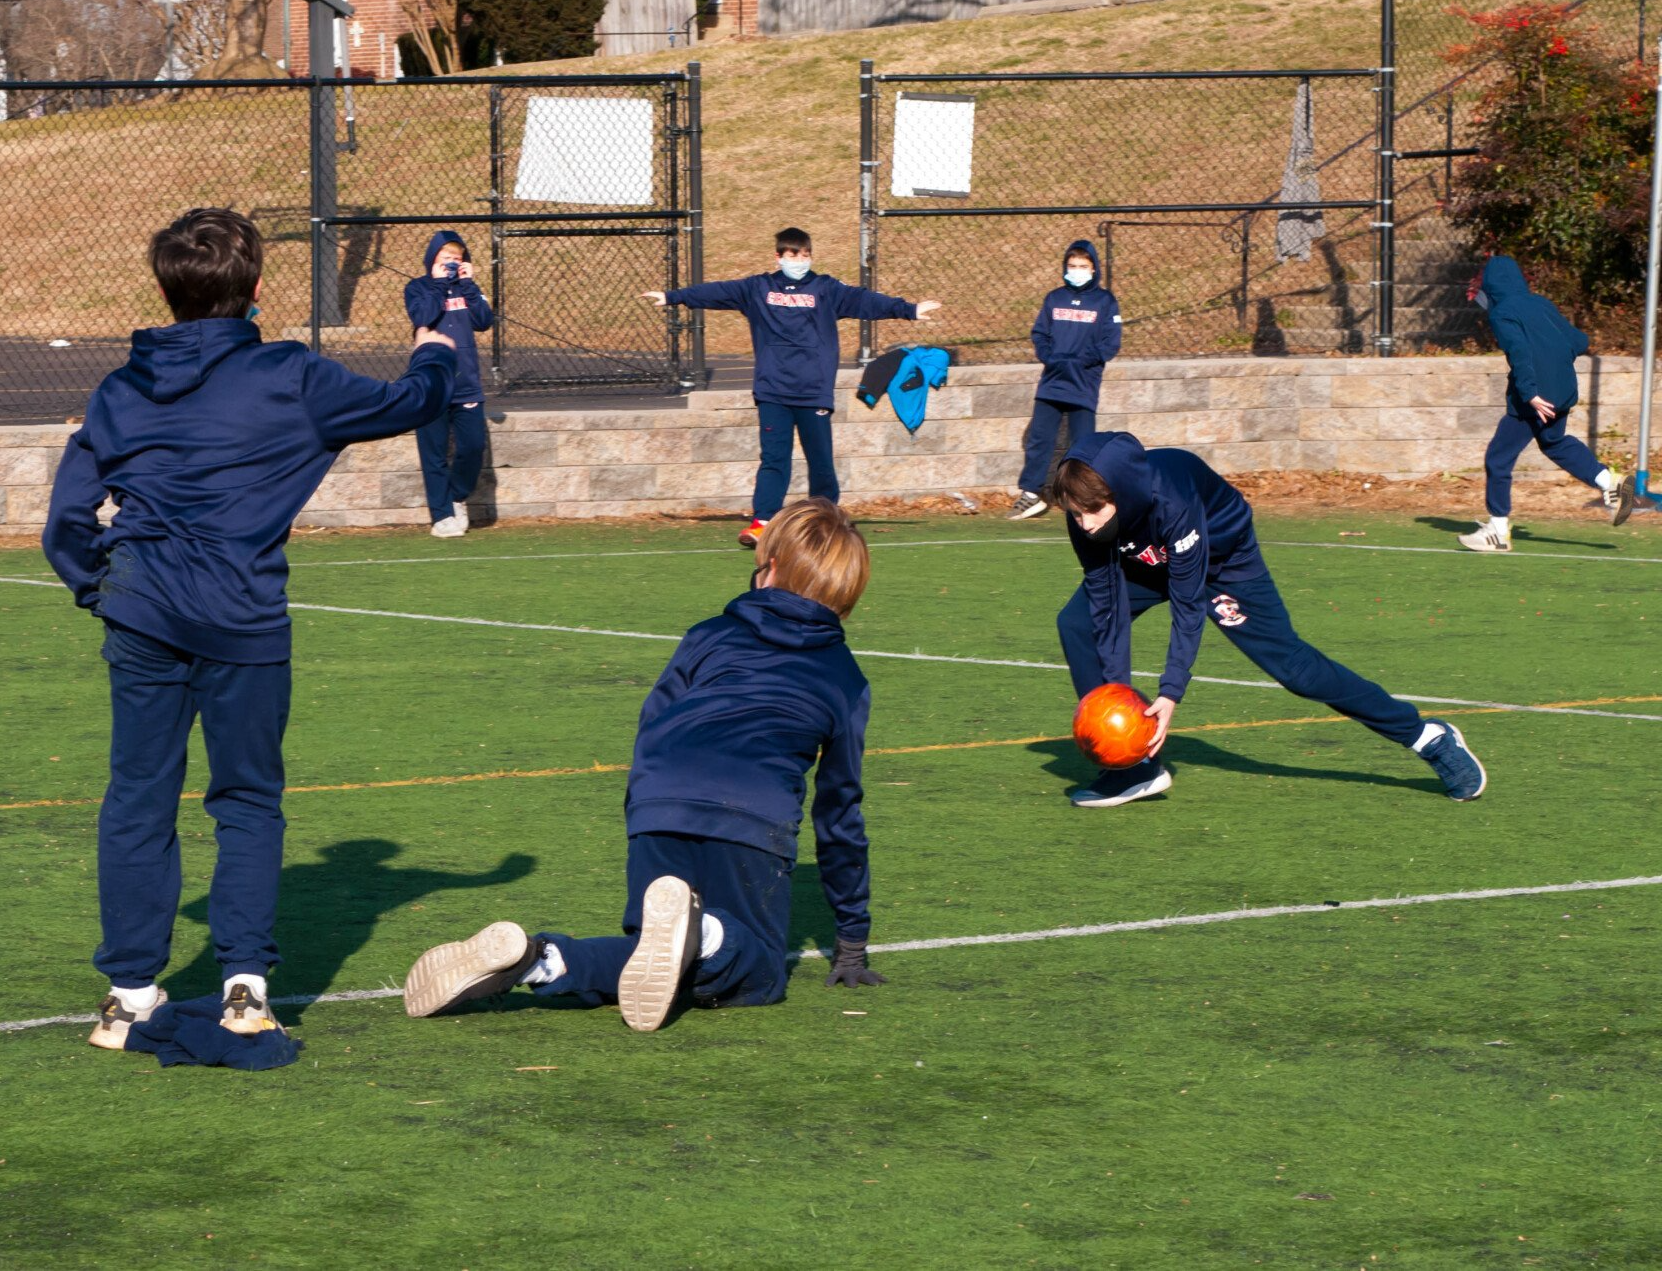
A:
(816, 552)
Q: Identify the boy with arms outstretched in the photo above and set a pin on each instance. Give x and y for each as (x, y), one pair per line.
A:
(1159, 525)
(747, 704)
(793, 314)
(210, 442)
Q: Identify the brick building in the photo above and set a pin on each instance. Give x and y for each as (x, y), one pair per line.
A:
(371, 37)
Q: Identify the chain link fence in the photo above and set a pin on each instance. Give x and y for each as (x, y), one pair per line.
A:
(574, 194)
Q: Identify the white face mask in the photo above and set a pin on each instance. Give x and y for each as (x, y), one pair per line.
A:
(1482, 300)
(1078, 277)
(795, 270)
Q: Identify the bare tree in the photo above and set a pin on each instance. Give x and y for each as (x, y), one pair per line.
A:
(244, 55)
(426, 17)
(84, 39)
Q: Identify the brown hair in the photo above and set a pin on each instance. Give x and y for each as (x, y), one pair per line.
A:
(1081, 488)
(816, 552)
(208, 263)
(792, 238)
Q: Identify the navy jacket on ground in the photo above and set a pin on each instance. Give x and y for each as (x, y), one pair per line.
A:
(457, 309)
(748, 703)
(793, 328)
(1540, 344)
(211, 442)
(1077, 331)
(1182, 530)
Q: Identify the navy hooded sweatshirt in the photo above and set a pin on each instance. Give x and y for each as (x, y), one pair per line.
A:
(1076, 332)
(746, 706)
(793, 328)
(1540, 344)
(1183, 530)
(457, 309)
(211, 442)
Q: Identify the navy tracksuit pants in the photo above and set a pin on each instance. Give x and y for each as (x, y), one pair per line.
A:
(156, 693)
(1041, 439)
(778, 424)
(1254, 619)
(448, 480)
(1512, 438)
(748, 889)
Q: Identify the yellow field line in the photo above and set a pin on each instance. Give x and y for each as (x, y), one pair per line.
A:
(523, 773)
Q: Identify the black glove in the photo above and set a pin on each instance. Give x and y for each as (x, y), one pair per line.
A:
(848, 965)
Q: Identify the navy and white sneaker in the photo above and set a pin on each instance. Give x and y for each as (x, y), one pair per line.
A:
(1123, 785)
(1452, 760)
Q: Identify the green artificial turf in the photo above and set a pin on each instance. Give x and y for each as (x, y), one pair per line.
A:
(1467, 1083)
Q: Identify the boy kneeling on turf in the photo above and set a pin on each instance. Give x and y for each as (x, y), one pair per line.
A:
(746, 705)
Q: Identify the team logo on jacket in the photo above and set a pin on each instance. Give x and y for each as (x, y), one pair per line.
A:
(1227, 610)
(1073, 315)
(1187, 541)
(792, 299)
(1150, 555)
(456, 302)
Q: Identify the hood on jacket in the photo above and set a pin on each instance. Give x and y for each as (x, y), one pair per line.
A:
(168, 362)
(1084, 246)
(1120, 460)
(438, 241)
(786, 619)
(1503, 281)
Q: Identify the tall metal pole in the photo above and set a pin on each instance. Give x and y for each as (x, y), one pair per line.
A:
(868, 192)
(695, 209)
(1641, 477)
(320, 29)
(498, 238)
(1385, 222)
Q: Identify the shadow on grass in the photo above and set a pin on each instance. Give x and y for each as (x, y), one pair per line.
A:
(1519, 534)
(1065, 761)
(327, 911)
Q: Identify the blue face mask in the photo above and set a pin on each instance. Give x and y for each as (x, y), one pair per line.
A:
(1078, 277)
(1482, 300)
(795, 270)
(253, 312)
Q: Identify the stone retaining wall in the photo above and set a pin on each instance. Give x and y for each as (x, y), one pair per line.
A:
(1399, 417)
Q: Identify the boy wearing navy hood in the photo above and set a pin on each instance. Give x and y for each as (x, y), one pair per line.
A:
(712, 841)
(1152, 526)
(1076, 334)
(210, 442)
(1541, 347)
(793, 315)
(448, 301)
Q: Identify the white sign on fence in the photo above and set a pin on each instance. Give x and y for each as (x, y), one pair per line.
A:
(594, 150)
(934, 136)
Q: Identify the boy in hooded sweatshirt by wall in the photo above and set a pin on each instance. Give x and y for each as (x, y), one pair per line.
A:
(1541, 348)
(1076, 334)
(712, 842)
(1152, 526)
(210, 442)
(449, 301)
(793, 315)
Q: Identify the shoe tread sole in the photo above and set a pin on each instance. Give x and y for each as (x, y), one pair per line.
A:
(462, 970)
(651, 978)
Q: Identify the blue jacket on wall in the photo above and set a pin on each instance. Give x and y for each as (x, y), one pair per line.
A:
(455, 308)
(747, 705)
(1182, 528)
(1076, 333)
(1540, 344)
(211, 442)
(793, 328)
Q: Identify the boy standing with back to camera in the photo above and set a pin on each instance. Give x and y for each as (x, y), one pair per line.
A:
(793, 314)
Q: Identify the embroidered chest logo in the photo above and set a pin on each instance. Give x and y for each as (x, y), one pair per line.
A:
(1227, 611)
(791, 299)
(1073, 315)
(454, 303)
(1150, 555)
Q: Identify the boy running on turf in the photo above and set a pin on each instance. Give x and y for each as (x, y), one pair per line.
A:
(746, 705)
(1541, 348)
(1159, 525)
(793, 316)
(210, 442)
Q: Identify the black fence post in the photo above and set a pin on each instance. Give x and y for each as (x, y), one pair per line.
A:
(1385, 224)
(325, 200)
(868, 193)
(695, 210)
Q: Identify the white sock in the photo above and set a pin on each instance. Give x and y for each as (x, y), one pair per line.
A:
(1606, 479)
(254, 983)
(136, 1000)
(710, 936)
(546, 969)
(1501, 525)
(1428, 734)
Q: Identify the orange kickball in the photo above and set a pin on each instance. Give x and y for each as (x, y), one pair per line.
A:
(1110, 726)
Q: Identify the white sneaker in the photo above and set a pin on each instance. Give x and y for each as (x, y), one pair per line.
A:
(1485, 538)
(1621, 498)
(458, 512)
(668, 944)
(450, 527)
(1123, 785)
(1028, 505)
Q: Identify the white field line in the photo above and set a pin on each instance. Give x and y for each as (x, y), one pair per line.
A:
(925, 657)
(1460, 551)
(1028, 937)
